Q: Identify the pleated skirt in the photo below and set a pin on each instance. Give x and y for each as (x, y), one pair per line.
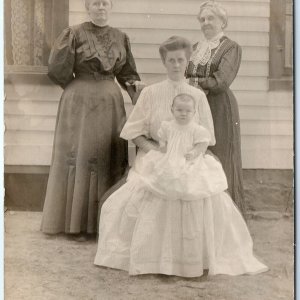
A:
(88, 155)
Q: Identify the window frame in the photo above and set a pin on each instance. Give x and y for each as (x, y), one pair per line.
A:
(57, 19)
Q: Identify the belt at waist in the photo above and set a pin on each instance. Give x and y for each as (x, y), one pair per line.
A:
(94, 76)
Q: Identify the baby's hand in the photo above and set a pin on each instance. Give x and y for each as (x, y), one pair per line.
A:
(163, 149)
(192, 154)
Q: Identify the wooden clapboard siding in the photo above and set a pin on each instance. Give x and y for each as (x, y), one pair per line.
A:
(248, 68)
(250, 53)
(28, 155)
(186, 7)
(266, 146)
(39, 131)
(15, 123)
(139, 36)
(36, 138)
(266, 118)
(175, 22)
(49, 109)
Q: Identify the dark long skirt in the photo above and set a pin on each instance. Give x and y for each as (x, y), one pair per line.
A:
(225, 113)
(88, 155)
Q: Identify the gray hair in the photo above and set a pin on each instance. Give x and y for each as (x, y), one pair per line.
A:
(87, 3)
(216, 8)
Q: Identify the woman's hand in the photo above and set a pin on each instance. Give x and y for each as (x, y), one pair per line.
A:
(139, 85)
(146, 144)
(163, 149)
(197, 82)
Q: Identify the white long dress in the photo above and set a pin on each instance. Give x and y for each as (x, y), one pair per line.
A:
(171, 176)
(142, 232)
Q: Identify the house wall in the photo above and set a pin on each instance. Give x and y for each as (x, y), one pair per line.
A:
(266, 117)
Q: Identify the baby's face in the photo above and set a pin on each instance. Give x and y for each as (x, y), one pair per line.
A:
(183, 111)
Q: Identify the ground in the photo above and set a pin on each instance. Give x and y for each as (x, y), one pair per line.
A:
(44, 268)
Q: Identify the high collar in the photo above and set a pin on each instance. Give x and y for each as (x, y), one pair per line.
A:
(176, 83)
(99, 26)
(202, 53)
(215, 38)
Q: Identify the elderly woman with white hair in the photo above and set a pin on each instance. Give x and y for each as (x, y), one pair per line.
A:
(213, 66)
(88, 154)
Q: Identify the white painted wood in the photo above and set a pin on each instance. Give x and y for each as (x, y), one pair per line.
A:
(252, 158)
(28, 122)
(32, 108)
(174, 22)
(270, 159)
(249, 53)
(49, 109)
(136, 35)
(240, 83)
(267, 143)
(266, 128)
(30, 155)
(266, 113)
(252, 128)
(248, 68)
(22, 137)
(191, 7)
(262, 98)
(266, 117)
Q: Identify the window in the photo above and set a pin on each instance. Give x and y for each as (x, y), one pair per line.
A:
(31, 26)
(281, 44)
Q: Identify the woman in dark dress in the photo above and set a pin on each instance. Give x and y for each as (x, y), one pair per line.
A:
(88, 155)
(213, 67)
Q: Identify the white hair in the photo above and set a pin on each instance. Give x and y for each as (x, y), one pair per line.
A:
(87, 3)
(216, 8)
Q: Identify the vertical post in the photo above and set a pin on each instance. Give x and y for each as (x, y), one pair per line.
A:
(56, 19)
(277, 38)
(60, 16)
(7, 33)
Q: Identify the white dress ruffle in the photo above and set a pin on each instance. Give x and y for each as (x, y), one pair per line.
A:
(171, 176)
(142, 233)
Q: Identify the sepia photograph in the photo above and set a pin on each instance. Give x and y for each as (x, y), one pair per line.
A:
(149, 149)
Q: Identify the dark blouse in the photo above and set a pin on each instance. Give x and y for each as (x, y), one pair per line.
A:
(91, 49)
(220, 71)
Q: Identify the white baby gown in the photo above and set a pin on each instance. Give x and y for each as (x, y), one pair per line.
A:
(171, 176)
(142, 232)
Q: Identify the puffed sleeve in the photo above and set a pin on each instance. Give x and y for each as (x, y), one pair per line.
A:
(139, 119)
(128, 72)
(62, 59)
(226, 73)
(201, 135)
(205, 117)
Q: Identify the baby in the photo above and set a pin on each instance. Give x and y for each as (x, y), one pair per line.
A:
(172, 216)
(180, 170)
(183, 110)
